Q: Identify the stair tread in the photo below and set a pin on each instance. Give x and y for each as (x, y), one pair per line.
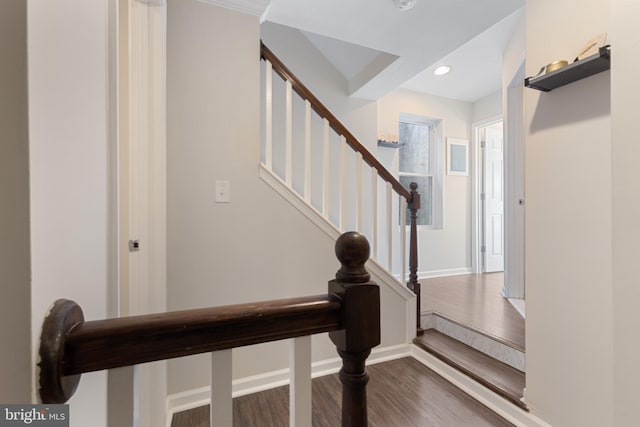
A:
(501, 378)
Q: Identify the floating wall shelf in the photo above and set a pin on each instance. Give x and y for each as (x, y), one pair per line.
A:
(575, 71)
(388, 144)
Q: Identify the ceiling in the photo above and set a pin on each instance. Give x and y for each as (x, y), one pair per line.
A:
(379, 48)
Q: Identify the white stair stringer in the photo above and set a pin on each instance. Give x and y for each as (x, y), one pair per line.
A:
(378, 273)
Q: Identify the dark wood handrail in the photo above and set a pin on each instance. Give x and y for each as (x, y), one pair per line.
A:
(95, 345)
(336, 125)
(350, 312)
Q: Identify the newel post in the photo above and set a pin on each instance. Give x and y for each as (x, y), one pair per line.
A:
(360, 321)
(413, 284)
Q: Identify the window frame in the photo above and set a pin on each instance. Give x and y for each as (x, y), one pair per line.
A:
(436, 166)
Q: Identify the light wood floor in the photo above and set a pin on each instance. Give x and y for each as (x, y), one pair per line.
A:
(401, 392)
(475, 300)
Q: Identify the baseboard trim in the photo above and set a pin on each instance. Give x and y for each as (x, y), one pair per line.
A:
(493, 401)
(190, 399)
(444, 273)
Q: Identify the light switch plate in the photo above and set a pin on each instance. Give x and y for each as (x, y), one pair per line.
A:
(223, 192)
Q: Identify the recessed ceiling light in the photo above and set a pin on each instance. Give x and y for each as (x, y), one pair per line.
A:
(404, 4)
(442, 70)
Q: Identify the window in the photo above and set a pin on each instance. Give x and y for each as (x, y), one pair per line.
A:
(421, 162)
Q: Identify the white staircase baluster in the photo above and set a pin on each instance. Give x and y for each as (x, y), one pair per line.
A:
(359, 194)
(343, 184)
(326, 172)
(122, 396)
(221, 399)
(307, 151)
(300, 382)
(268, 120)
(389, 204)
(403, 239)
(374, 212)
(289, 135)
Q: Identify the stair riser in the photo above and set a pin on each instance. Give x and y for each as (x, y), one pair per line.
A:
(475, 339)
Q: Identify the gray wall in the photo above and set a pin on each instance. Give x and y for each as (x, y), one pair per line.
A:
(15, 327)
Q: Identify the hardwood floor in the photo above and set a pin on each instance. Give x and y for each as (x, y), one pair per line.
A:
(401, 392)
(475, 300)
(499, 377)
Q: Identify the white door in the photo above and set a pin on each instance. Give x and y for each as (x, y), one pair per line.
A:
(493, 248)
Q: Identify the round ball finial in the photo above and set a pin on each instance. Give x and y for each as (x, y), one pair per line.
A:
(352, 250)
(413, 186)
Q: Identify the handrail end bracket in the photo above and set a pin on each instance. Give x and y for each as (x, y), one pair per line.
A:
(55, 387)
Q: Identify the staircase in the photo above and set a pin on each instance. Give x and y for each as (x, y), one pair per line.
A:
(485, 359)
(311, 159)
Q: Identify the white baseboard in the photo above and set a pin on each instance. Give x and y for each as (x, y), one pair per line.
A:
(190, 399)
(519, 305)
(496, 403)
(444, 273)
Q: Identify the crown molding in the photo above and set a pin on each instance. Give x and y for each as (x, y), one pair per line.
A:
(251, 7)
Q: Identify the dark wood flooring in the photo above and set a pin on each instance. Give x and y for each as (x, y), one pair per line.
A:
(401, 393)
(475, 300)
(503, 379)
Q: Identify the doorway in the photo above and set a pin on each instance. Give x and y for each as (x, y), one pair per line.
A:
(491, 174)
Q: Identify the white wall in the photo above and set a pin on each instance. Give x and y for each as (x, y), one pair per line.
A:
(625, 40)
(68, 171)
(514, 52)
(488, 107)
(15, 306)
(448, 249)
(258, 247)
(323, 79)
(568, 224)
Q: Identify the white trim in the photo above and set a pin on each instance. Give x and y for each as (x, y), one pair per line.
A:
(251, 7)
(476, 180)
(190, 399)
(519, 305)
(437, 166)
(444, 273)
(514, 213)
(496, 403)
(143, 169)
(461, 142)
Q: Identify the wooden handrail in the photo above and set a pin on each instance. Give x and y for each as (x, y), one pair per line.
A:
(96, 345)
(350, 312)
(335, 124)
